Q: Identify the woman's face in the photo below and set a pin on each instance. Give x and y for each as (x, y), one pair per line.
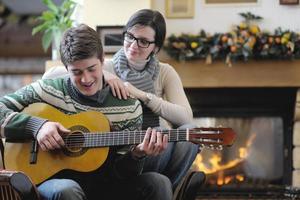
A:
(144, 34)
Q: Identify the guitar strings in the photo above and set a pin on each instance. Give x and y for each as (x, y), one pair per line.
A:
(116, 137)
(123, 138)
(130, 133)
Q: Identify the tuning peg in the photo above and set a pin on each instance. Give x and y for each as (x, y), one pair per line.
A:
(219, 148)
(212, 147)
(201, 147)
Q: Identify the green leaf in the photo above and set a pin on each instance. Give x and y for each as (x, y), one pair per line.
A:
(39, 28)
(47, 15)
(69, 23)
(70, 12)
(47, 39)
(51, 5)
(67, 4)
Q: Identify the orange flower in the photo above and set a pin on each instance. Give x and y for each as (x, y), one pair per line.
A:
(270, 40)
(224, 38)
(277, 40)
(233, 48)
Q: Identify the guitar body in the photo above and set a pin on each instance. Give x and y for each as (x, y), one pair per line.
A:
(17, 155)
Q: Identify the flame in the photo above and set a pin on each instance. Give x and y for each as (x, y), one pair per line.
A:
(240, 177)
(228, 179)
(214, 165)
(220, 180)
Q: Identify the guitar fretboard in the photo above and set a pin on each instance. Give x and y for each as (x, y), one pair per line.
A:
(119, 138)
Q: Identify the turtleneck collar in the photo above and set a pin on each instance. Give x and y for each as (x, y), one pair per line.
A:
(138, 65)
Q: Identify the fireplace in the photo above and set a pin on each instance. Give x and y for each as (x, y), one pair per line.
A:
(245, 162)
(254, 90)
(261, 156)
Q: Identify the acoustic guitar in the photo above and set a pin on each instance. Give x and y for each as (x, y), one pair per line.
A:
(87, 146)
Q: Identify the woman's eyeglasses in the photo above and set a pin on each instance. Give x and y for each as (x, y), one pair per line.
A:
(128, 37)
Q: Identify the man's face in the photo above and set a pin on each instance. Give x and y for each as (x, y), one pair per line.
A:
(86, 75)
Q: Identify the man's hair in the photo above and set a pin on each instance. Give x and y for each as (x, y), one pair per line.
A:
(80, 43)
(152, 18)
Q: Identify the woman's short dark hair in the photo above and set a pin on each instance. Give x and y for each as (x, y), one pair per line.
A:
(80, 43)
(152, 18)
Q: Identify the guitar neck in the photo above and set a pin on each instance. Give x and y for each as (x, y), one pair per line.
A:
(124, 138)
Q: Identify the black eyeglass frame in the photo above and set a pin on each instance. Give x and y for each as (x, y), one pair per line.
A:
(138, 40)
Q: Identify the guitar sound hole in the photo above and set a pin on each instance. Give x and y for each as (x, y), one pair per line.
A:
(74, 143)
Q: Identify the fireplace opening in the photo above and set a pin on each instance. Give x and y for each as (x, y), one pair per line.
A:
(255, 159)
(262, 153)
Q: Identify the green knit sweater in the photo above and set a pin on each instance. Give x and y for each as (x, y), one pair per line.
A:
(60, 93)
(122, 114)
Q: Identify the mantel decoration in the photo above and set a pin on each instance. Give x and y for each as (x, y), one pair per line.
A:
(54, 22)
(245, 41)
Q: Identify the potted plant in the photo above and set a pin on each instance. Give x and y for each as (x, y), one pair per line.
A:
(54, 22)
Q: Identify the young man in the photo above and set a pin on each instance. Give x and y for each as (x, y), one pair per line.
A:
(84, 89)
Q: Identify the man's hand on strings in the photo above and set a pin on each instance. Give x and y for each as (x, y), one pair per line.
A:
(49, 136)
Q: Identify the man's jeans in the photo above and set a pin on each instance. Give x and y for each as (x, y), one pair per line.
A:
(61, 189)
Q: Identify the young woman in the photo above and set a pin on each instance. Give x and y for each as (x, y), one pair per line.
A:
(157, 86)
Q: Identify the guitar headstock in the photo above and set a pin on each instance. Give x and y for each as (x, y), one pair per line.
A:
(214, 138)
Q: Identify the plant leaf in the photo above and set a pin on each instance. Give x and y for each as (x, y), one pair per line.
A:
(39, 28)
(47, 16)
(47, 39)
(51, 5)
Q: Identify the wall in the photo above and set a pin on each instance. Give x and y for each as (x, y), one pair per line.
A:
(211, 18)
(220, 18)
(110, 12)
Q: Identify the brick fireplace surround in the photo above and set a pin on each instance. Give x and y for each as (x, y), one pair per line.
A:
(251, 74)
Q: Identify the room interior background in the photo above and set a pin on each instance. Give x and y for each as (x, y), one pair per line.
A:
(19, 70)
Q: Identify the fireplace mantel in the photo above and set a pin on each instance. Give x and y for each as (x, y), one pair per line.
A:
(271, 73)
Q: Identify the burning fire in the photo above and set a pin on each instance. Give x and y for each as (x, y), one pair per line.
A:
(214, 165)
